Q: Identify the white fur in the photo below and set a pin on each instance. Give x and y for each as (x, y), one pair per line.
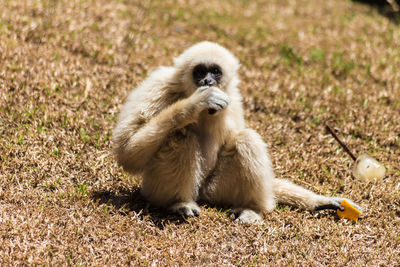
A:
(165, 134)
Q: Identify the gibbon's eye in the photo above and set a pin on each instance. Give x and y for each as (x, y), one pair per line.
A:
(216, 70)
(199, 72)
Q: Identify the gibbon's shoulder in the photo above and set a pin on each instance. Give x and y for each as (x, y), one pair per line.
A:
(154, 82)
(162, 74)
(150, 96)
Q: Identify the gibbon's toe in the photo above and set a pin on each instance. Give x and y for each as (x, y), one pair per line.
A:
(333, 203)
(249, 216)
(186, 209)
(340, 199)
(235, 213)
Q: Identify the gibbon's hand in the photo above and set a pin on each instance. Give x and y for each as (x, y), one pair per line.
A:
(215, 100)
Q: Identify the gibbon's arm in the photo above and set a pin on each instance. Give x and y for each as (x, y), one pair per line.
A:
(288, 193)
(135, 147)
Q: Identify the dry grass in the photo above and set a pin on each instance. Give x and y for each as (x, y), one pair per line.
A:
(66, 66)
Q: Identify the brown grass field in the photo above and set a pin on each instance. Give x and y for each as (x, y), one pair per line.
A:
(66, 67)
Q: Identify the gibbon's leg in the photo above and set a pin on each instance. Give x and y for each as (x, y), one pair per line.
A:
(173, 177)
(243, 178)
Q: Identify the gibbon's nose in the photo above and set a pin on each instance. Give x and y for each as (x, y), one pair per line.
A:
(208, 82)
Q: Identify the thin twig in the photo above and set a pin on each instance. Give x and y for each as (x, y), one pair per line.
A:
(340, 142)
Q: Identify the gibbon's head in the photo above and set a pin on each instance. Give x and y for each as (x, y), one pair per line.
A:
(207, 64)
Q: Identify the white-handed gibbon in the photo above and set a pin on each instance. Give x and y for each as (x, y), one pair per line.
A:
(183, 131)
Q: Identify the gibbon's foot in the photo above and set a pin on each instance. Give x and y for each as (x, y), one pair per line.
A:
(186, 209)
(244, 216)
(334, 204)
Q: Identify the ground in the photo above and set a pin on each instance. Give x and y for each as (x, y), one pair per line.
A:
(67, 66)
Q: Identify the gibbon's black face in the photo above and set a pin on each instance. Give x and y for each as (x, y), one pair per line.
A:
(207, 75)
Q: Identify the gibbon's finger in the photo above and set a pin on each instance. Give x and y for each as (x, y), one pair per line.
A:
(203, 88)
(218, 94)
(217, 105)
(212, 111)
(218, 102)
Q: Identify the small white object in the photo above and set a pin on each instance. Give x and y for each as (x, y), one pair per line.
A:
(367, 168)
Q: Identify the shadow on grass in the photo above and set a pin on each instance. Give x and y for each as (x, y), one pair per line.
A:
(125, 201)
(384, 8)
(316, 214)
